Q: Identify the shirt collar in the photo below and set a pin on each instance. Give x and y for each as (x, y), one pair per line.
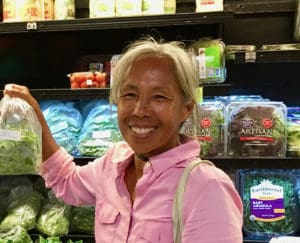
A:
(187, 150)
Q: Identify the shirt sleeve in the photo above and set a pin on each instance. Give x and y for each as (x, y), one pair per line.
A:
(73, 184)
(213, 211)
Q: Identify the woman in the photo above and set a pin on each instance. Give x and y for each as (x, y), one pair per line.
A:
(133, 184)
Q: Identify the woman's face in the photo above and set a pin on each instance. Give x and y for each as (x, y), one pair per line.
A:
(151, 106)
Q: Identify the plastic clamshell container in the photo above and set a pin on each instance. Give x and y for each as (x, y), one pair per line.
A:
(101, 8)
(281, 47)
(230, 50)
(293, 131)
(270, 202)
(210, 60)
(87, 80)
(256, 129)
(210, 132)
(128, 7)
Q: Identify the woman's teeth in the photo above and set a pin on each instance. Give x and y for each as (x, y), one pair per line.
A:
(142, 131)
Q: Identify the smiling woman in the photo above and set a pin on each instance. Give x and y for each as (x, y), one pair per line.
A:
(133, 185)
(151, 107)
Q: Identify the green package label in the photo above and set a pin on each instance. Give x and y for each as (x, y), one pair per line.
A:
(209, 60)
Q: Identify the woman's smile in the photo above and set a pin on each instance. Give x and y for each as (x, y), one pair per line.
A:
(142, 132)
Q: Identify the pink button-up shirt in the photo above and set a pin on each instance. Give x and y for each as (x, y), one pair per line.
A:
(212, 209)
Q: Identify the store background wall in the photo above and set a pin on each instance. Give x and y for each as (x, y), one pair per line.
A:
(42, 60)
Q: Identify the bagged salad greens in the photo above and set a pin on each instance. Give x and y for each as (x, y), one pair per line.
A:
(82, 220)
(24, 205)
(54, 218)
(64, 121)
(7, 183)
(100, 131)
(16, 234)
(270, 202)
(20, 138)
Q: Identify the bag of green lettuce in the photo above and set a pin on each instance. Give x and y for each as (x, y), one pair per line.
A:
(24, 205)
(20, 138)
(82, 220)
(54, 218)
(16, 234)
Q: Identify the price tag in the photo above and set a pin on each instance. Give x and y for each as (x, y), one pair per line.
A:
(89, 82)
(250, 56)
(10, 135)
(31, 26)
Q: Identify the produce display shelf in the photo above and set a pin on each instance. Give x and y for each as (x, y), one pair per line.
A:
(235, 163)
(261, 163)
(82, 24)
(73, 237)
(264, 56)
(69, 94)
(259, 7)
(219, 89)
(255, 241)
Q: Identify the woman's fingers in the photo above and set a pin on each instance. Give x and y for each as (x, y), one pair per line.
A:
(20, 91)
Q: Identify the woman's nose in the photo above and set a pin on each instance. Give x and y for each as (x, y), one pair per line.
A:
(142, 107)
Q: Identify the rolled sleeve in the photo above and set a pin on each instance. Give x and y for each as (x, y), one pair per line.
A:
(55, 165)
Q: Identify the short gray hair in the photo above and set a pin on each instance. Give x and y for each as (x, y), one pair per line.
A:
(184, 68)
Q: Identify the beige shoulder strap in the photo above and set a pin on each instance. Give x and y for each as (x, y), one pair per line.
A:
(177, 204)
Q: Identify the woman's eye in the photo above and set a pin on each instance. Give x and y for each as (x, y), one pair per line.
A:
(160, 97)
(128, 95)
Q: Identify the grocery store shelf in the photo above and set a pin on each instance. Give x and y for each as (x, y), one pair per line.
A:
(73, 237)
(180, 19)
(255, 241)
(261, 163)
(217, 89)
(262, 56)
(69, 94)
(237, 163)
(78, 94)
(259, 7)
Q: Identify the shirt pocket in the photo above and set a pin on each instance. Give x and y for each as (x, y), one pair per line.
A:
(155, 231)
(107, 218)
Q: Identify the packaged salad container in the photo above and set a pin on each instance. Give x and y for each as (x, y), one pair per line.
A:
(210, 132)
(210, 57)
(270, 203)
(256, 129)
(293, 132)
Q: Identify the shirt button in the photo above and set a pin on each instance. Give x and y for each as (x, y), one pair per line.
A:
(147, 165)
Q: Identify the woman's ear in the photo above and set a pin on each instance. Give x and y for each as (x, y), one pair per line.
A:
(189, 108)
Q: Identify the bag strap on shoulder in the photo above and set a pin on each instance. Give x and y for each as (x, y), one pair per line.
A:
(177, 204)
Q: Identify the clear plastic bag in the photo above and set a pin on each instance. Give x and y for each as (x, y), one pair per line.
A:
(54, 217)
(20, 138)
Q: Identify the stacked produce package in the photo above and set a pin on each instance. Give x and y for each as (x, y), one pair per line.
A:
(241, 126)
(100, 129)
(293, 132)
(83, 128)
(211, 128)
(271, 203)
(64, 121)
(28, 208)
(256, 129)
